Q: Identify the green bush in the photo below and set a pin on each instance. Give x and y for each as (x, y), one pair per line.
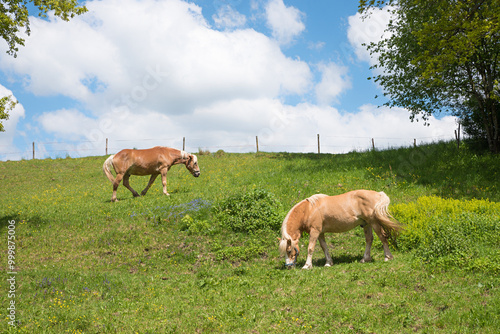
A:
(452, 232)
(250, 212)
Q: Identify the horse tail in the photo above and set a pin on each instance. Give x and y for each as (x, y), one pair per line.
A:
(106, 167)
(381, 212)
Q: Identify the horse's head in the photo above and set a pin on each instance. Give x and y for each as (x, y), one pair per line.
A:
(289, 248)
(192, 165)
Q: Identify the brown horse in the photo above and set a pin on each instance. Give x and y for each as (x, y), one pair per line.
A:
(152, 161)
(319, 214)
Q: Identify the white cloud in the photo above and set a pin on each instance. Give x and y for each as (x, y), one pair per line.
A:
(68, 123)
(285, 22)
(371, 29)
(280, 127)
(334, 80)
(104, 58)
(229, 18)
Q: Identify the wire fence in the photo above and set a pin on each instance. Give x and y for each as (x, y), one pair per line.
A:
(314, 144)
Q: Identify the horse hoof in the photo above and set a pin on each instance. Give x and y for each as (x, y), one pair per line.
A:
(388, 259)
(306, 267)
(365, 260)
(328, 265)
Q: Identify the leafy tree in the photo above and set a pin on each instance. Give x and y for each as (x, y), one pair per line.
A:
(6, 105)
(442, 55)
(14, 16)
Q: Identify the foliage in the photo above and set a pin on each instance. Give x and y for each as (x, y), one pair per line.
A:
(438, 55)
(452, 232)
(6, 105)
(14, 16)
(256, 210)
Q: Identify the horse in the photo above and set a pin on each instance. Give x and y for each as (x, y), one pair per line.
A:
(152, 161)
(321, 213)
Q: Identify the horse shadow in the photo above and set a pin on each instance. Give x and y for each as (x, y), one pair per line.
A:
(340, 259)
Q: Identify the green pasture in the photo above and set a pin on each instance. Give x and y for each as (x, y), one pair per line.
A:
(205, 260)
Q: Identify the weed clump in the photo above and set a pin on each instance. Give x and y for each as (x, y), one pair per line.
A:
(253, 211)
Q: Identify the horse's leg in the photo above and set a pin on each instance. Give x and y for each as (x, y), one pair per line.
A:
(313, 236)
(127, 185)
(150, 183)
(324, 246)
(369, 240)
(164, 181)
(118, 179)
(387, 253)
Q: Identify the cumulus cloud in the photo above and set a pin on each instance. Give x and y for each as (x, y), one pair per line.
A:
(285, 22)
(364, 31)
(104, 58)
(334, 80)
(228, 18)
(279, 127)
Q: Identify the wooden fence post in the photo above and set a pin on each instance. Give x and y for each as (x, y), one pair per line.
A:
(373, 144)
(318, 145)
(457, 136)
(33, 150)
(414, 142)
(106, 146)
(257, 143)
(183, 143)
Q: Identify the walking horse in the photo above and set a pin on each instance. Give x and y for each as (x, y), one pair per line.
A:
(153, 161)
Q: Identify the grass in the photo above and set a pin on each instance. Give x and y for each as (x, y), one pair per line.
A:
(159, 264)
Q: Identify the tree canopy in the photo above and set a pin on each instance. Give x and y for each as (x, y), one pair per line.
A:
(14, 17)
(442, 55)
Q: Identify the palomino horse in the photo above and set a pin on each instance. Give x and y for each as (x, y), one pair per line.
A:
(152, 161)
(319, 214)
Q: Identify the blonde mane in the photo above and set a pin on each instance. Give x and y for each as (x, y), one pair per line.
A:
(312, 201)
(315, 198)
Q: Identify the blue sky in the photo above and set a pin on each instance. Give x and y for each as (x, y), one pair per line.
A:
(218, 72)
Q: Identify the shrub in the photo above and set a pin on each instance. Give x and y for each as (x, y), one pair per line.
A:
(253, 211)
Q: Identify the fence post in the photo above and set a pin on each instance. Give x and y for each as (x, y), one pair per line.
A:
(183, 143)
(373, 144)
(457, 136)
(414, 142)
(318, 145)
(106, 146)
(257, 143)
(33, 150)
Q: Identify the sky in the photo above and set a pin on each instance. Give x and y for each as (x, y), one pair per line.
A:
(218, 73)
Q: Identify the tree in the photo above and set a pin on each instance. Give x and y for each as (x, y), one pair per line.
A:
(442, 55)
(14, 16)
(6, 105)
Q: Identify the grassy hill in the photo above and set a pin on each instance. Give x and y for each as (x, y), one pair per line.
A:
(159, 264)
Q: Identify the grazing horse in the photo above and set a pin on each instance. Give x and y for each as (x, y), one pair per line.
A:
(152, 161)
(320, 213)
